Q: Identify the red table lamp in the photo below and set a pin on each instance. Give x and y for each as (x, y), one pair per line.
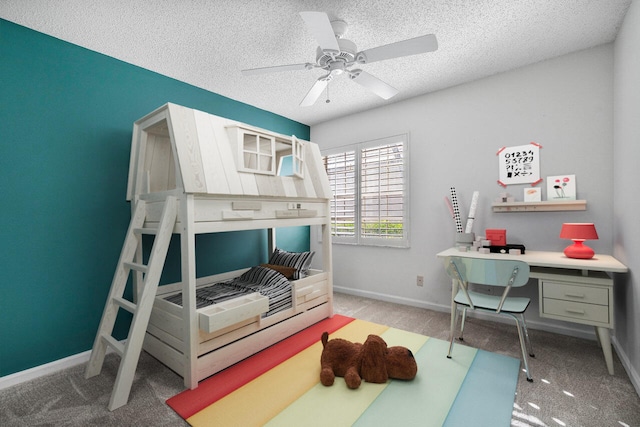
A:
(578, 232)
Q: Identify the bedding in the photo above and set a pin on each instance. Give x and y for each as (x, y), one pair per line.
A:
(301, 261)
(267, 281)
(288, 272)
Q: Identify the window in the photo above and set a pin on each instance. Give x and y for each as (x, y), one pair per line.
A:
(370, 192)
(257, 152)
(290, 155)
(268, 153)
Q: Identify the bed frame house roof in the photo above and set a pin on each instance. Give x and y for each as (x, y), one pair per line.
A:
(176, 147)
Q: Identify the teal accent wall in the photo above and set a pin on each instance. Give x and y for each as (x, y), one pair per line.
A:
(66, 117)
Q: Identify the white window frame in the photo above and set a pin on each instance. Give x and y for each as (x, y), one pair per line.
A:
(358, 238)
(252, 159)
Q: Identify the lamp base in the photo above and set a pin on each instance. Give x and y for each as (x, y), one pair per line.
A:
(579, 250)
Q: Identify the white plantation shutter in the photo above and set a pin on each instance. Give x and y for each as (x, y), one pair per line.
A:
(375, 175)
(341, 169)
(382, 191)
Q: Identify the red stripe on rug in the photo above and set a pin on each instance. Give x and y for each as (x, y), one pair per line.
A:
(189, 402)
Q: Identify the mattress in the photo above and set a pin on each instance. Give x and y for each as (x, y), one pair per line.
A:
(269, 283)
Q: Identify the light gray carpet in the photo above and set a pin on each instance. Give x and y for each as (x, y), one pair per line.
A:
(571, 385)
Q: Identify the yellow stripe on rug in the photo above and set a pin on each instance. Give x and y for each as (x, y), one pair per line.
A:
(258, 401)
(334, 411)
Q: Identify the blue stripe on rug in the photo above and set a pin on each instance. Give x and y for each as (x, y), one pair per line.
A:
(426, 400)
(474, 388)
(473, 405)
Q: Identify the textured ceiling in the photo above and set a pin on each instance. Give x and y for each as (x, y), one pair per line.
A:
(207, 42)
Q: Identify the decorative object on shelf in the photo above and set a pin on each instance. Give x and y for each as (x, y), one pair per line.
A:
(533, 194)
(578, 232)
(456, 210)
(505, 198)
(465, 240)
(497, 236)
(561, 187)
(464, 235)
(519, 164)
(472, 212)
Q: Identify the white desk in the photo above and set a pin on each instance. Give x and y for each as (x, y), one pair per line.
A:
(573, 290)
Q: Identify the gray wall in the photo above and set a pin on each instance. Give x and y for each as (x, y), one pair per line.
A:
(564, 104)
(625, 178)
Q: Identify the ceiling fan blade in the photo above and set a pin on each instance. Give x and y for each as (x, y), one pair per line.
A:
(374, 84)
(422, 44)
(320, 28)
(277, 68)
(315, 91)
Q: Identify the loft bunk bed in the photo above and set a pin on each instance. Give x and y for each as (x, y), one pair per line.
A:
(192, 173)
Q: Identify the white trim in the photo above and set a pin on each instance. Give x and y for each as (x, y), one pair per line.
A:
(633, 374)
(47, 369)
(43, 370)
(393, 299)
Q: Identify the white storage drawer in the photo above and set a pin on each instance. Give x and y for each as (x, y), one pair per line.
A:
(576, 293)
(577, 311)
(227, 313)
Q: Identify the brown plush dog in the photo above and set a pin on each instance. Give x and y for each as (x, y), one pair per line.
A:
(372, 361)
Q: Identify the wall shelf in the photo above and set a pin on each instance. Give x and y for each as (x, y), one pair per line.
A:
(549, 206)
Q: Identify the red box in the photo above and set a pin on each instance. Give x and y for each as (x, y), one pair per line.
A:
(497, 236)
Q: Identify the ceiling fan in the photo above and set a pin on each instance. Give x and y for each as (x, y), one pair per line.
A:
(337, 56)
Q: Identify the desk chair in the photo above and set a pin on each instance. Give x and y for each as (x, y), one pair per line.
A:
(491, 272)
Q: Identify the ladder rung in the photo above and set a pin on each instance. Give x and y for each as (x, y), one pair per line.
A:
(114, 344)
(127, 305)
(145, 230)
(135, 266)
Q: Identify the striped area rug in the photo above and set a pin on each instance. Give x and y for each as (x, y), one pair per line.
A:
(280, 386)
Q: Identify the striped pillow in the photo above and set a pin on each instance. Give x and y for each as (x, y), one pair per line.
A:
(298, 260)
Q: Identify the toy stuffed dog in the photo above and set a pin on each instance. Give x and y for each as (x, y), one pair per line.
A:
(372, 361)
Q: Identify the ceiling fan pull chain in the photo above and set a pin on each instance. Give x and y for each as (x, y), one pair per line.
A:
(328, 100)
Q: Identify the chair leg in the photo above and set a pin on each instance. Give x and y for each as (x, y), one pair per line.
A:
(464, 317)
(453, 331)
(526, 336)
(524, 349)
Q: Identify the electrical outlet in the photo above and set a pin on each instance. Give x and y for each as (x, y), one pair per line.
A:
(420, 281)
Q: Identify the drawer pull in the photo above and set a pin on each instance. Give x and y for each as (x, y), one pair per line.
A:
(574, 295)
(574, 311)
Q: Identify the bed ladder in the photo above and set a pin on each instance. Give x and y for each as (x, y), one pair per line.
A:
(130, 350)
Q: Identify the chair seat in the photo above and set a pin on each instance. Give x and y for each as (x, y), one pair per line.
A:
(490, 302)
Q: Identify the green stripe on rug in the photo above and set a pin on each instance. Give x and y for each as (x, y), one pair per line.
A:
(474, 406)
(426, 400)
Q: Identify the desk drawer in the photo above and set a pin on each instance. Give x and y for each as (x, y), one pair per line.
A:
(576, 311)
(576, 293)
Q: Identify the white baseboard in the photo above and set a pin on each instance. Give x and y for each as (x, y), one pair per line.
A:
(634, 377)
(43, 370)
(392, 299)
(48, 368)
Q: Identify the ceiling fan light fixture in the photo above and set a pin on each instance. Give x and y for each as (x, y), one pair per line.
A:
(347, 53)
(335, 55)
